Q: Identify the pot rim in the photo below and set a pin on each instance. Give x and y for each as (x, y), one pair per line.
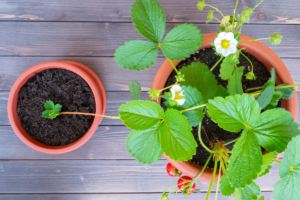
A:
(81, 70)
(266, 56)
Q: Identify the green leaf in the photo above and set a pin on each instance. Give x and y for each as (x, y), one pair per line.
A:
(210, 16)
(235, 82)
(140, 115)
(136, 55)
(177, 140)
(226, 69)
(288, 187)
(245, 15)
(273, 76)
(144, 145)
(149, 19)
(266, 95)
(49, 105)
(250, 192)
(275, 39)
(286, 92)
(181, 41)
(262, 198)
(274, 101)
(201, 5)
(250, 76)
(268, 159)
(274, 129)
(57, 108)
(199, 76)
(46, 113)
(225, 186)
(245, 161)
(192, 98)
(234, 112)
(135, 90)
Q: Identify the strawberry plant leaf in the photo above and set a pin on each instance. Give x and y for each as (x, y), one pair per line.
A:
(286, 92)
(144, 145)
(250, 192)
(246, 160)
(136, 55)
(52, 110)
(275, 39)
(140, 115)
(149, 19)
(225, 186)
(49, 105)
(176, 138)
(226, 69)
(288, 187)
(181, 41)
(274, 129)
(135, 90)
(273, 76)
(208, 86)
(192, 98)
(268, 159)
(234, 112)
(274, 101)
(235, 82)
(266, 95)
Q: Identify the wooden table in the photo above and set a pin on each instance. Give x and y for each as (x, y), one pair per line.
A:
(34, 31)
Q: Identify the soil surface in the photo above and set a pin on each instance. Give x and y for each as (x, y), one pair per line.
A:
(63, 87)
(210, 131)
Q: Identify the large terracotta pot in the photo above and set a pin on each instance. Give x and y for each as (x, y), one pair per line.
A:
(266, 56)
(87, 74)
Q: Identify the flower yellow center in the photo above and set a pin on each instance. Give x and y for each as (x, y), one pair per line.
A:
(177, 96)
(225, 44)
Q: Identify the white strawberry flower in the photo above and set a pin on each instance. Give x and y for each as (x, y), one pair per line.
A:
(225, 43)
(177, 94)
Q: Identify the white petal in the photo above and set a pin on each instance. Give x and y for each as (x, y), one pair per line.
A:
(222, 52)
(176, 88)
(229, 36)
(233, 42)
(222, 35)
(180, 101)
(217, 41)
(173, 94)
(181, 93)
(232, 49)
(226, 53)
(218, 48)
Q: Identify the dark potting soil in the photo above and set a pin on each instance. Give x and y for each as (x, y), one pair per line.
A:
(63, 87)
(210, 131)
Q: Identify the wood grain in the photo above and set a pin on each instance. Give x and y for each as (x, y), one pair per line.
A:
(95, 176)
(274, 11)
(102, 39)
(113, 77)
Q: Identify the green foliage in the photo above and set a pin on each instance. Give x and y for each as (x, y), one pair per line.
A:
(288, 187)
(286, 92)
(52, 110)
(181, 41)
(274, 101)
(266, 95)
(210, 16)
(144, 145)
(250, 76)
(250, 192)
(225, 186)
(275, 39)
(201, 5)
(262, 198)
(273, 76)
(149, 19)
(227, 68)
(268, 159)
(141, 115)
(235, 82)
(180, 77)
(154, 94)
(208, 86)
(245, 161)
(136, 55)
(165, 196)
(135, 90)
(245, 15)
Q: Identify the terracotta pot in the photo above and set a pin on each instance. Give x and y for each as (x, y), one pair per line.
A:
(266, 56)
(87, 74)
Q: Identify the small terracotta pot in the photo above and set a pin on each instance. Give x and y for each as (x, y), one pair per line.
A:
(266, 56)
(87, 74)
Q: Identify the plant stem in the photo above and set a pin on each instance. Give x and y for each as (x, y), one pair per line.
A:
(253, 88)
(258, 4)
(217, 19)
(215, 9)
(169, 86)
(231, 141)
(91, 114)
(277, 161)
(219, 175)
(216, 63)
(200, 139)
(202, 170)
(248, 61)
(173, 66)
(286, 86)
(236, 3)
(254, 40)
(212, 179)
(192, 108)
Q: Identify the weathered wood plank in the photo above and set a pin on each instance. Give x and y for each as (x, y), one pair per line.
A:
(113, 77)
(102, 39)
(95, 176)
(119, 10)
(146, 196)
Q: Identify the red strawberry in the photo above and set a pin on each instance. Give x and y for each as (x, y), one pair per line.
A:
(172, 171)
(183, 189)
